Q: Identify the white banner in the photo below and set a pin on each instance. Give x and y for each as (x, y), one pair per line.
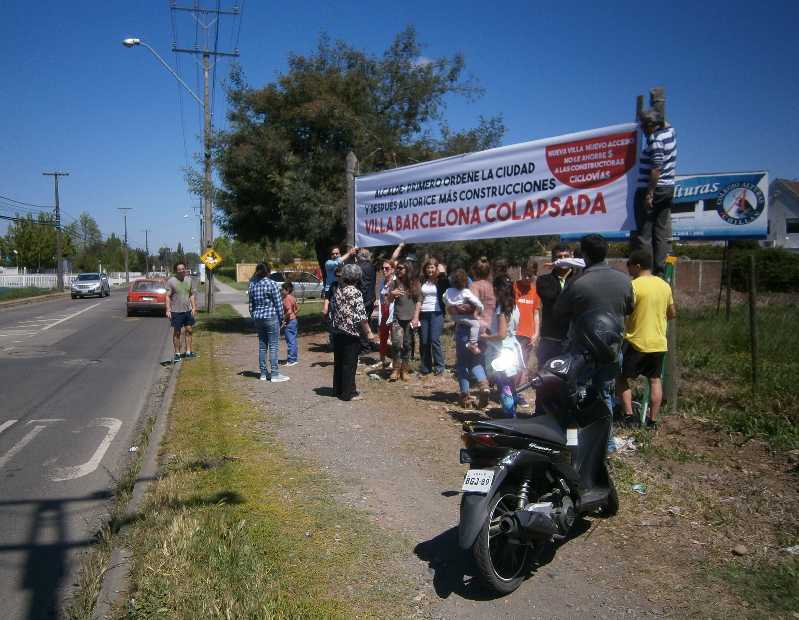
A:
(578, 183)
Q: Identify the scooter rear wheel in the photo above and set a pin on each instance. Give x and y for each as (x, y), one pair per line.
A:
(501, 562)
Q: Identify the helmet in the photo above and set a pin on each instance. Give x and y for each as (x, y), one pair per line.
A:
(600, 334)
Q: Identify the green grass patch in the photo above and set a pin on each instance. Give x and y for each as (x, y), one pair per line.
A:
(241, 286)
(7, 294)
(772, 590)
(716, 359)
(238, 528)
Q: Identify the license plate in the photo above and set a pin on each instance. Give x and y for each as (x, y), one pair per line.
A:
(148, 298)
(478, 480)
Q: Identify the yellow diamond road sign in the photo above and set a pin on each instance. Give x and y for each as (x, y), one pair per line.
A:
(211, 259)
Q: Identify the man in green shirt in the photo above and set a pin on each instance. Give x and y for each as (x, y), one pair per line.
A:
(181, 308)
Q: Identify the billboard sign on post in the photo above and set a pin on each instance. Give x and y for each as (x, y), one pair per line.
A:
(721, 206)
(578, 183)
(716, 206)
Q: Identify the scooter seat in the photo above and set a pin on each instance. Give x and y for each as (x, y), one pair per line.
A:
(544, 427)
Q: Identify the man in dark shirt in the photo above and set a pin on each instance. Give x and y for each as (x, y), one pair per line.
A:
(549, 287)
(367, 288)
(599, 287)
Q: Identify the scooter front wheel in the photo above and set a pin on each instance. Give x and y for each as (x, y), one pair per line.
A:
(501, 561)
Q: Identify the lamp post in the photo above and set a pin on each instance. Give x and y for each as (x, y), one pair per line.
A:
(208, 228)
(16, 255)
(125, 248)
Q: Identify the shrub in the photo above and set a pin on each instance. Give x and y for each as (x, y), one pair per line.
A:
(777, 270)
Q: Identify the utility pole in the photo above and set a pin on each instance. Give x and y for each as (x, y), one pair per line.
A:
(205, 18)
(125, 248)
(58, 245)
(146, 252)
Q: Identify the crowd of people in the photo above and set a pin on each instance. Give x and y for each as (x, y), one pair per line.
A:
(525, 322)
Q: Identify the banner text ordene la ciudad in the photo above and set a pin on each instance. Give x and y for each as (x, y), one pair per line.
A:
(578, 183)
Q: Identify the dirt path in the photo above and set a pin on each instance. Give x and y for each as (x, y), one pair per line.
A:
(396, 452)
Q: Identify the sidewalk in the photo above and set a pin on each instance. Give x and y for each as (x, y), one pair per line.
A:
(226, 294)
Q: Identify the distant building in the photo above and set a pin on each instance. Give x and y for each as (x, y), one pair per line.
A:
(783, 214)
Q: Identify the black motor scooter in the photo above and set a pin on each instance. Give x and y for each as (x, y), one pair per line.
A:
(530, 479)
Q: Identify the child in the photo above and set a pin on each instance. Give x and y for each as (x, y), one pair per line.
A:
(459, 294)
(290, 322)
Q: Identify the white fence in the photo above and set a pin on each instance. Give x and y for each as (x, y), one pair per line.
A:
(48, 280)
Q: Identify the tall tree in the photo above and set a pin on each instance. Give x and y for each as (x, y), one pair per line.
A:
(282, 161)
(84, 232)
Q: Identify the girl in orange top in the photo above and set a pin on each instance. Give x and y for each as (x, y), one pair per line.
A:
(290, 310)
(529, 305)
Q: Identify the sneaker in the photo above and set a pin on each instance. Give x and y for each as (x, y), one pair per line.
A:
(277, 377)
(291, 363)
(176, 358)
(356, 397)
(651, 424)
(264, 377)
(189, 354)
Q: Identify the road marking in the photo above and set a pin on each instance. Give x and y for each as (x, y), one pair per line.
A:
(70, 316)
(61, 474)
(20, 444)
(45, 420)
(6, 424)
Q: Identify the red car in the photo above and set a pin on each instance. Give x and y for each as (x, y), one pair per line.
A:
(147, 295)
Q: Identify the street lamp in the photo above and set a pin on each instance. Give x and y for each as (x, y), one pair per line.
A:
(208, 228)
(16, 254)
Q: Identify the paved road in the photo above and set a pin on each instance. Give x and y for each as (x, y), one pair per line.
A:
(75, 376)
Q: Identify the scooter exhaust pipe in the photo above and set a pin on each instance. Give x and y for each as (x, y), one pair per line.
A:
(528, 524)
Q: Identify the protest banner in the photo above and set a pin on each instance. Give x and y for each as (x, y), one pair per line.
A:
(579, 183)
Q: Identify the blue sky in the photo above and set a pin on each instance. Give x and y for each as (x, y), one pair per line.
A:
(75, 99)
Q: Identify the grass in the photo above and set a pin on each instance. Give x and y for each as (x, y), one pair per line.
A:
(237, 528)
(241, 286)
(7, 294)
(717, 370)
(766, 586)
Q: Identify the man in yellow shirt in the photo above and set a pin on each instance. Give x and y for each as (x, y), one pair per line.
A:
(645, 342)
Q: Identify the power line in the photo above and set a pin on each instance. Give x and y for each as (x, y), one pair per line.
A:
(20, 202)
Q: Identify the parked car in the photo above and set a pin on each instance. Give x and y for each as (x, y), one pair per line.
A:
(90, 284)
(147, 295)
(306, 285)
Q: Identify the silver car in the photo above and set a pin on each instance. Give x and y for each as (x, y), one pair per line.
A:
(90, 284)
(306, 285)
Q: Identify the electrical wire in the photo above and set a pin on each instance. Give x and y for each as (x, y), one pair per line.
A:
(178, 86)
(216, 47)
(27, 204)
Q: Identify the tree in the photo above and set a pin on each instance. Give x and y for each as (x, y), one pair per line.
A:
(84, 232)
(35, 241)
(282, 161)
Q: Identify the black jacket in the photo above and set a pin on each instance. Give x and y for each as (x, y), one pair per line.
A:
(548, 288)
(368, 281)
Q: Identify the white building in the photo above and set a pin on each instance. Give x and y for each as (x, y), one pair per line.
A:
(783, 214)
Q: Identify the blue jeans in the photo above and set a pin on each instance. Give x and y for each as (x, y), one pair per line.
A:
(432, 324)
(466, 362)
(290, 332)
(604, 382)
(268, 333)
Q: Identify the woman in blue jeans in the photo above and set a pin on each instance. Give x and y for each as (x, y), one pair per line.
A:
(430, 309)
(266, 310)
(467, 363)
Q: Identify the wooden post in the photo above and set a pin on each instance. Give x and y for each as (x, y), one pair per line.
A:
(349, 212)
(753, 318)
(672, 372)
(657, 101)
(721, 275)
(639, 107)
(728, 278)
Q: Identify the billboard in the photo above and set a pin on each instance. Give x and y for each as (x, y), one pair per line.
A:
(716, 206)
(578, 183)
